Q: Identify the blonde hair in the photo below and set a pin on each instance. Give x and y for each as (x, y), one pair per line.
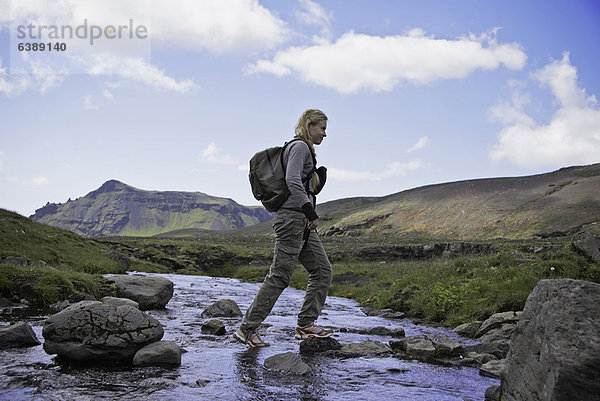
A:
(308, 118)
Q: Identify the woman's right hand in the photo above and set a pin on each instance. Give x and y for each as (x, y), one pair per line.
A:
(313, 224)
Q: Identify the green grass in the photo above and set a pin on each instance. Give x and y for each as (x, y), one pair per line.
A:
(59, 262)
(464, 289)
(37, 242)
(452, 291)
(43, 286)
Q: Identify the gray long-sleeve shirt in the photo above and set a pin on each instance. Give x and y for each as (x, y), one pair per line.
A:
(299, 164)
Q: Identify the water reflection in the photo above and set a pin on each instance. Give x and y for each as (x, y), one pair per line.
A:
(247, 369)
(262, 384)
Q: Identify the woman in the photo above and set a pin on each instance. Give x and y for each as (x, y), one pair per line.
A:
(295, 226)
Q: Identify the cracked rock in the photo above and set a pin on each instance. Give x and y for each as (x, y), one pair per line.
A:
(92, 331)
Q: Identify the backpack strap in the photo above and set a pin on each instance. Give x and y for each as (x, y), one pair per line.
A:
(305, 180)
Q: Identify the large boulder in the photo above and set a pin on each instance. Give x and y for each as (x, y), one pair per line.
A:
(18, 335)
(587, 244)
(222, 308)
(149, 292)
(555, 349)
(92, 331)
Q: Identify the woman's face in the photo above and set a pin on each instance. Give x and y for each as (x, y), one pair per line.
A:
(317, 132)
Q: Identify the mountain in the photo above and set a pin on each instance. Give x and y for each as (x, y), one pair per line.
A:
(545, 205)
(119, 209)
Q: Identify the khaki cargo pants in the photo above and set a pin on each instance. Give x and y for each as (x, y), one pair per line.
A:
(289, 226)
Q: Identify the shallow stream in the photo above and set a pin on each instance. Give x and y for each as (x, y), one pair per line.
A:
(219, 368)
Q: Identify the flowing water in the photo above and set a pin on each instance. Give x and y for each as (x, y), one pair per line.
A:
(220, 368)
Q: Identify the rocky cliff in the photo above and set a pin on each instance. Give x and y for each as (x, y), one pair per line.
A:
(119, 209)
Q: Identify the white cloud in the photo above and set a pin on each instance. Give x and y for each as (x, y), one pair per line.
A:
(89, 104)
(2, 166)
(107, 92)
(395, 169)
(421, 143)
(312, 13)
(39, 181)
(212, 154)
(509, 112)
(42, 77)
(136, 70)
(358, 62)
(38, 77)
(10, 86)
(220, 26)
(571, 137)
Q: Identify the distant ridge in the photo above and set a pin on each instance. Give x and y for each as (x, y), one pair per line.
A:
(545, 205)
(119, 209)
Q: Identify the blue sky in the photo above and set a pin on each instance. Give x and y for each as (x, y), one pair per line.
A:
(417, 93)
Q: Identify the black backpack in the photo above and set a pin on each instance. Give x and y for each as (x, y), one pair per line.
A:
(267, 177)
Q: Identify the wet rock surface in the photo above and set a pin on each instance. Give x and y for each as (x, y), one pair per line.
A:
(287, 363)
(220, 368)
(365, 348)
(17, 335)
(92, 331)
(120, 301)
(165, 353)
(214, 327)
(223, 308)
(150, 292)
(319, 345)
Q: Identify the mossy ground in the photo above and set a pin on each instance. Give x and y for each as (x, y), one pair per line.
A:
(452, 291)
(59, 262)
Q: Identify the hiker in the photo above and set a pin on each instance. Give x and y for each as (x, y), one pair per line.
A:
(295, 226)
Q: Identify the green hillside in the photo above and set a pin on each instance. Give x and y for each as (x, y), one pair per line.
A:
(553, 204)
(119, 209)
(46, 264)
